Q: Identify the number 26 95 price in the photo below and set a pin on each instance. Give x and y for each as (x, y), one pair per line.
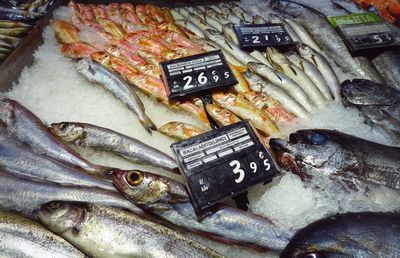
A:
(202, 79)
(237, 168)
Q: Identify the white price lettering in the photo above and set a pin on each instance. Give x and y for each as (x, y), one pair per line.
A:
(226, 75)
(253, 166)
(378, 39)
(266, 163)
(236, 169)
(188, 80)
(256, 39)
(216, 78)
(277, 38)
(266, 37)
(202, 79)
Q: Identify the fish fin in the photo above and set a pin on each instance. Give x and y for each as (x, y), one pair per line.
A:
(148, 124)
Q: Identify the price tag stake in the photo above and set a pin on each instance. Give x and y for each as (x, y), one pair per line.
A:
(222, 163)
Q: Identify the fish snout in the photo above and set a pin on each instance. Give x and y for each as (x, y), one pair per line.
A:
(279, 146)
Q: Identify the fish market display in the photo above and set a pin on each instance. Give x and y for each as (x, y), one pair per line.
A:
(378, 104)
(16, 19)
(21, 237)
(339, 156)
(365, 234)
(106, 232)
(326, 117)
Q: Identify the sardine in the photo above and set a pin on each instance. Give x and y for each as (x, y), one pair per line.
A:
(4, 50)
(95, 72)
(377, 103)
(259, 85)
(311, 71)
(6, 44)
(363, 234)
(108, 232)
(177, 15)
(18, 15)
(10, 39)
(283, 82)
(13, 24)
(230, 47)
(23, 195)
(229, 32)
(345, 158)
(14, 32)
(257, 19)
(22, 237)
(225, 224)
(323, 66)
(280, 63)
(216, 15)
(245, 110)
(180, 130)
(191, 26)
(328, 39)
(27, 127)
(303, 34)
(18, 159)
(388, 64)
(108, 140)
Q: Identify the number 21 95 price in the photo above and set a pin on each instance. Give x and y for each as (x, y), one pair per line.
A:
(237, 169)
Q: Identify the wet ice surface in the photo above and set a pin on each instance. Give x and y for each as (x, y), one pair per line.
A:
(55, 92)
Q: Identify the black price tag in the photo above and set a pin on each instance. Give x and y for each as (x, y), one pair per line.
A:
(222, 163)
(263, 35)
(197, 74)
(370, 38)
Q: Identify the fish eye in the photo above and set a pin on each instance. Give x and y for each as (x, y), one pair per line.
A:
(316, 138)
(55, 205)
(313, 255)
(134, 178)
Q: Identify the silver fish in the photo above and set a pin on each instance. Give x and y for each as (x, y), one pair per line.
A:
(282, 81)
(274, 18)
(28, 128)
(257, 84)
(257, 19)
(388, 64)
(108, 140)
(328, 39)
(216, 15)
(177, 15)
(311, 71)
(22, 237)
(323, 66)
(229, 32)
(170, 201)
(280, 63)
(129, 235)
(18, 159)
(191, 26)
(97, 73)
(23, 195)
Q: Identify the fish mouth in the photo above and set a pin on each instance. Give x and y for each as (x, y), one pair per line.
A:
(286, 159)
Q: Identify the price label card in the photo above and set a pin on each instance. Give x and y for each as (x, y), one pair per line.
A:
(355, 18)
(222, 163)
(197, 74)
(263, 35)
(370, 38)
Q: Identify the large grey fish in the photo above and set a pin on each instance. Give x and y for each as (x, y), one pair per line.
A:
(108, 140)
(388, 64)
(328, 39)
(378, 104)
(338, 156)
(108, 232)
(28, 128)
(17, 158)
(24, 195)
(357, 235)
(22, 237)
(169, 200)
(97, 73)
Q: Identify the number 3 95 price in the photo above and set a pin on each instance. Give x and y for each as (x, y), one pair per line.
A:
(237, 169)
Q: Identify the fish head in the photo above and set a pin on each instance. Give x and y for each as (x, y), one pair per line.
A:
(304, 50)
(276, 58)
(213, 35)
(256, 67)
(324, 247)
(140, 187)
(61, 216)
(360, 92)
(69, 132)
(312, 153)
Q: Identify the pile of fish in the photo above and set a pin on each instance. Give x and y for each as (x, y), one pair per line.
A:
(85, 209)
(16, 19)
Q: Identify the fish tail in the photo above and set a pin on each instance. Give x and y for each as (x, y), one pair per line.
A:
(148, 124)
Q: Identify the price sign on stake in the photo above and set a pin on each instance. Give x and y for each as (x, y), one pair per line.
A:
(222, 163)
(197, 74)
(263, 35)
(364, 37)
